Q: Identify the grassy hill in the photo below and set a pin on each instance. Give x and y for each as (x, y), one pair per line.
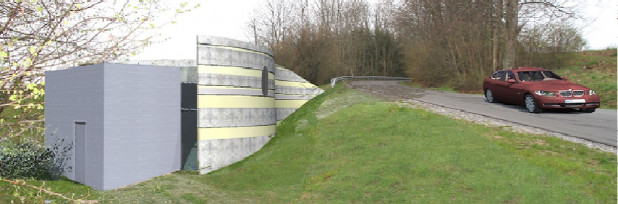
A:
(345, 146)
(596, 70)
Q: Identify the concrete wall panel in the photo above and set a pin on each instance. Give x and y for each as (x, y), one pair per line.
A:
(225, 56)
(218, 153)
(236, 113)
(233, 80)
(142, 114)
(297, 90)
(76, 95)
(291, 92)
(226, 42)
(221, 90)
(284, 74)
(283, 113)
(236, 117)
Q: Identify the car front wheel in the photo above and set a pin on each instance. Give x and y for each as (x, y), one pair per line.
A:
(531, 104)
(489, 96)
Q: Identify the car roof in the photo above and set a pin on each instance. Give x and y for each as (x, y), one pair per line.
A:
(519, 69)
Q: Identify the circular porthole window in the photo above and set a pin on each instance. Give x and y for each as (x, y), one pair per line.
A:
(265, 81)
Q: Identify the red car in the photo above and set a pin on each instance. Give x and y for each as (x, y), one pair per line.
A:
(538, 89)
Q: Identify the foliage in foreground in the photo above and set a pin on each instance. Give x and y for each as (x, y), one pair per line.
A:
(39, 191)
(26, 160)
(26, 167)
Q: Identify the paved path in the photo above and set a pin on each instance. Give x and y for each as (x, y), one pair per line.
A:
(599, 126)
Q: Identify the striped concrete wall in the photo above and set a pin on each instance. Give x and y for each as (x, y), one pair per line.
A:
(237, 111)
(291, 92)
(235, 102)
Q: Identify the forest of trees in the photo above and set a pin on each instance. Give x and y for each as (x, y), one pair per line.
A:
(453, 43)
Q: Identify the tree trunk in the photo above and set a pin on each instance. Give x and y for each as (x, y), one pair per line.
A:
(511, 19)
(494, 57)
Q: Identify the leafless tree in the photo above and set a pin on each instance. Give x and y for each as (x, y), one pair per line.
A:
(437, 42)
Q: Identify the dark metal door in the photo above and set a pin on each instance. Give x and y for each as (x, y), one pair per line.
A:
(188, 123)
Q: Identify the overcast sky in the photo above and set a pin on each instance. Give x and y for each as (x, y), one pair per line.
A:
(228, 18)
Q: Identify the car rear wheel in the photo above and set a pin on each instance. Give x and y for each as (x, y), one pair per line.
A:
(531, 104)
(489, 96)
(588, 110)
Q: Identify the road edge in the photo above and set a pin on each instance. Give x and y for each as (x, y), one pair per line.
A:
(496, 122)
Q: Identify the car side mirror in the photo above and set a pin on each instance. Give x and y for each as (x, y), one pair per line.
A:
(565, 78)
(511, 81)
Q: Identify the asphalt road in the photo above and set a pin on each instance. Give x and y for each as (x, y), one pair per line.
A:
(599, 126)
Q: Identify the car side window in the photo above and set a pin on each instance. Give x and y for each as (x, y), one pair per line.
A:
(537, 76)
(500, 76)
(549, 74)
(511, 75)
(524, 76)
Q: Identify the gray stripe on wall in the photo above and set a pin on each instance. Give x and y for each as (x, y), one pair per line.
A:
(287, 75)
(219, 41)
(246, 92)
(233, 80)
(283, 113)
(208, 55)
(235, 117)
(298, 91)
(293, 97)
(215, 154)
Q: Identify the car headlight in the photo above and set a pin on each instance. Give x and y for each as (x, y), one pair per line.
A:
(591, 92)
(545, 93)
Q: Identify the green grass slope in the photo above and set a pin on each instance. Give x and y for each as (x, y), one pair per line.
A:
(345, 146)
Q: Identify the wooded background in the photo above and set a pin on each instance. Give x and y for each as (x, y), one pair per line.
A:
(453, 43)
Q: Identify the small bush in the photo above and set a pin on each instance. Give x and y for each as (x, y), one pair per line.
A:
(31, 161)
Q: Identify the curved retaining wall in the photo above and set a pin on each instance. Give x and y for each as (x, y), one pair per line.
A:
(235, 102)
(291, 92)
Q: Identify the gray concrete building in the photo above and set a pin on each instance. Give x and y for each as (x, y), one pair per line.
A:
(123, 122)
(130, 122)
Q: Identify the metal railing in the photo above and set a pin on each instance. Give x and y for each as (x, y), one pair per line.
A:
(334, 81)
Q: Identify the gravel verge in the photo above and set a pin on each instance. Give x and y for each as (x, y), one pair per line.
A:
(489, 121)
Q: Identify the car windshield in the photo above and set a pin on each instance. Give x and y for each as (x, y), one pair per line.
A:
(537, 76)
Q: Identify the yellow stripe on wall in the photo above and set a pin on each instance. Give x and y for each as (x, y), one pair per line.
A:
(295, 84)
(229, 70)
(289, 103)
(234, 132)
(218, 101)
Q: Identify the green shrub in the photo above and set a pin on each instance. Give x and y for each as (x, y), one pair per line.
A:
(32, 161)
